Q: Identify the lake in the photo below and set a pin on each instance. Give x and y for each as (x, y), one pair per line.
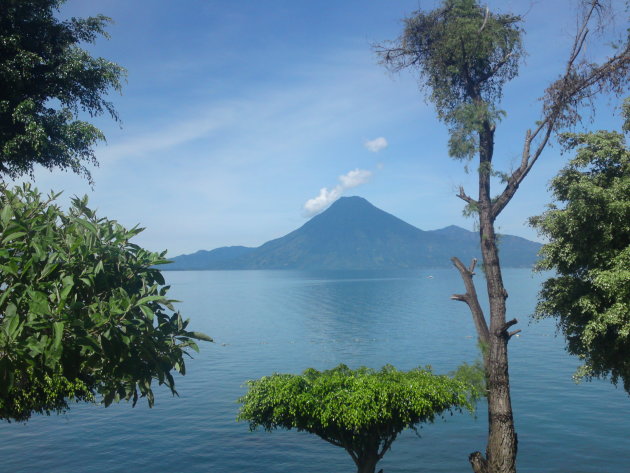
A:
(286, 321)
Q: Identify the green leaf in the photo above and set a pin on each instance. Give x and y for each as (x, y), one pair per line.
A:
(48, 269)
(87, 225)
(4, 295)
(13, 236)
(68, 284)
(148, 312)
(200, 336)
(11, 322)
(146, 299)
(57, 334)
(11, 310)
(9, 269)
(5, 214)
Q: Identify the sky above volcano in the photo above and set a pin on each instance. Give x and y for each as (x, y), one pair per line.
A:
(242, 119)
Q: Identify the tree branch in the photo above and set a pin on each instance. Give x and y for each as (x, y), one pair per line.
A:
(471, 298)
(460, 297)
(508, 324)
(527, 162)
(485, 20)
(496, 67)
(580, 37)
(503, 330)
(478, 462)
(345, 444)
(395, 59)
(562, 97)
(465, 197)
(387, 443)
(330, 440)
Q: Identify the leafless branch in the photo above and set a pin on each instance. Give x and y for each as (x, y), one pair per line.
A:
(465, 197)
(459, 297)
(485, 20)
(579, 83)
(395, 59)
(507, 325)
(471, 299)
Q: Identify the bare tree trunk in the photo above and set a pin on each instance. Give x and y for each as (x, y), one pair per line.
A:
(502, 440)
(366, 461)
(366, 455)
(368, 465)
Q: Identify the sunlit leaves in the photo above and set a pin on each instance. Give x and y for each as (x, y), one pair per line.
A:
(82, 307)
(589, 249)
(360, 410)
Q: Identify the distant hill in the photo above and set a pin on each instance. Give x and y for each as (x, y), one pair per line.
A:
(353, 234)
(204, 259)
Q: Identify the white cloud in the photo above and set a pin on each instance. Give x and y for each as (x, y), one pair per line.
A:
(354, 178)
(327, 196)
(324, 199)
(376, 144)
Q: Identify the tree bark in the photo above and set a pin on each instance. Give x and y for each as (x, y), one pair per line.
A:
(366, 454)
(501, 451)
(502, 440)
(367, 464)
(478, 462)
(471, 299)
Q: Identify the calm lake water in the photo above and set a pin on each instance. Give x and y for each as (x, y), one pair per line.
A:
(286, 321)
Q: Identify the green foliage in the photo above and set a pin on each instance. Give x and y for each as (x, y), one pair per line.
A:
(464, 55)
(589, 249)
(41, 395)
(46, 80)
(473, 375)
(83, 310)
(360, 410)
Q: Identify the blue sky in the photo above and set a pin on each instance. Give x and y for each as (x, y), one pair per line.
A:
(237, 113)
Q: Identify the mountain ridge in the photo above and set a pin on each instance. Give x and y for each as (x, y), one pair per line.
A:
(353, 234)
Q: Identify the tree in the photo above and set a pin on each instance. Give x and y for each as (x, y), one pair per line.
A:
(359, 410)
(46, 81)
(465, 54)
(83, 311)
(588, 229)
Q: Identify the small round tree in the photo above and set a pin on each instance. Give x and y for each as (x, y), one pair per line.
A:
(361, 410)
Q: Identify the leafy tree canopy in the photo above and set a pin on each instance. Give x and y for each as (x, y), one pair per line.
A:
(83, 311)
(589, 249)
(464, 55)
(46, 80)
(360, 410)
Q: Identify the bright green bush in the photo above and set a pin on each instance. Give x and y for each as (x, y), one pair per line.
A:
(361, 410)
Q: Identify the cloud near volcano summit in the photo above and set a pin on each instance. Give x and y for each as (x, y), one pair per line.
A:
(327, 196)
